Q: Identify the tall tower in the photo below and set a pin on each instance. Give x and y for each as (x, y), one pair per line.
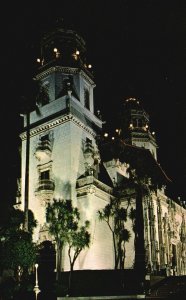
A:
(63, 147)
(136, 126)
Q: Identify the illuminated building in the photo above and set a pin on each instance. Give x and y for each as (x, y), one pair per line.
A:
(71, 158)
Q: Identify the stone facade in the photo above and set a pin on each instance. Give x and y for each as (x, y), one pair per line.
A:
(66, 163)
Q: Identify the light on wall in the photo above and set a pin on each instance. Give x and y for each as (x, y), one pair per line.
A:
(57, 53)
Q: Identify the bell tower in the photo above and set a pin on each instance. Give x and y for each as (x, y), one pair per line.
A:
(136, 126)
(62, 67)
(65, 126)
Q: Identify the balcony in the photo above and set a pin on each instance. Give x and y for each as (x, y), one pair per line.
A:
(43, 150)
(45, 186)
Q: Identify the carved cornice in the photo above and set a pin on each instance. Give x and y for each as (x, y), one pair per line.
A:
(90, 185)
(142, 137)
(57, 68)
(57, 122)
(85, 76)
(91, 189)
(67, 70)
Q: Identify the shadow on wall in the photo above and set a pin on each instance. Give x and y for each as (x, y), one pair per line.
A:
(63, 189)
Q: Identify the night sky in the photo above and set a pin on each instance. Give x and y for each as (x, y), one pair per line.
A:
(137, 49)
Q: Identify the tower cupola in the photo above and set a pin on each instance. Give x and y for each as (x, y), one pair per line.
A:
(135, 126)
(63, 47)
(65, 75)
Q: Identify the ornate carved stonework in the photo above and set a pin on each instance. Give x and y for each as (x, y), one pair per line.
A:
(43, 128)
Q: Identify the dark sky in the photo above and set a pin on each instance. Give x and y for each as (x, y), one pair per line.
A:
(137, 49)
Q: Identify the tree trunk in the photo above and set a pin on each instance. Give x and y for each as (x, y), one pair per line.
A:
(115, 252)
(59, 261)
(70, 278)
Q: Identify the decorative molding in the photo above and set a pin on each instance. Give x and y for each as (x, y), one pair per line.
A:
(57, 68)
(68, 70)
(91, 189)
(57, 122)
(85, 76)
(90, 179)
(90, 185)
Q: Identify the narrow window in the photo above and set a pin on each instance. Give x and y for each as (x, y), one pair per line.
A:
(44, 137)
(44, 93)
(45, 175)
(87, 98)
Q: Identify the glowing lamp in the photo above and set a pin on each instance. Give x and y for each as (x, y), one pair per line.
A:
(106, 134)
(38, 60)
(117, 130)
(77, 52)
(153, 133)
(113, 138)
(55, 50)
(89, 66)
